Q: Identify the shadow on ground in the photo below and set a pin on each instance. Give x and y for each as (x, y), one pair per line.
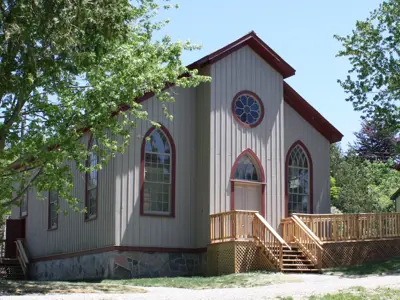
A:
(388, 267)
(54, 287)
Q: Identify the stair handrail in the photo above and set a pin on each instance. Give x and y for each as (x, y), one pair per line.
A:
(309, 232)
(21, 255)
(271, 241)
(272, 230)
(312, 247)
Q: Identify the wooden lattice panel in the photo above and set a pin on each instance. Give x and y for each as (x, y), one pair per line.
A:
(236, 257)
(337, 254)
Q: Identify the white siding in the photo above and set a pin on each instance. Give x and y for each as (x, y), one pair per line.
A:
(245, 70)
(73, 233)
(203, 162)
(149, 231)
(296, 128)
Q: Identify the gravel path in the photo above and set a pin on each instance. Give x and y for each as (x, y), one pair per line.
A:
(311, 285)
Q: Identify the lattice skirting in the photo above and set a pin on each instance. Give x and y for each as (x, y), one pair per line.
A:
(339, 254)
(236, 257)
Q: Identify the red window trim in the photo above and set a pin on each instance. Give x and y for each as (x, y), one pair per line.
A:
(87, 217)
(245, 92)
(49, 228)
(310, 168)
(251, 153)
(173, 173)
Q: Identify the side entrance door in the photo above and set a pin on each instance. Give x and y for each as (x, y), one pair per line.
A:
(247, 197)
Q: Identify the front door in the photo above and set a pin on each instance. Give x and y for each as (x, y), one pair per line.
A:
(248, 197)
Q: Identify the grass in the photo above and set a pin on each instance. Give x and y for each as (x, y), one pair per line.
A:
(55, 287)
(358, 293)
(225, 281)
(390, 266)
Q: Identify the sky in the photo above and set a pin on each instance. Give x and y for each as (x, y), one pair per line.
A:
(301, 32)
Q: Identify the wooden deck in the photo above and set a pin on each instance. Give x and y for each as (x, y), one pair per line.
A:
(242, 241)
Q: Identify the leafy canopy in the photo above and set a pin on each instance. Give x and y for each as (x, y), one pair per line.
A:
(360, 185)
(67, 66)
(373, 48)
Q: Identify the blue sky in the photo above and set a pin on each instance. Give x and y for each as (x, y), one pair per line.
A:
(301, 32)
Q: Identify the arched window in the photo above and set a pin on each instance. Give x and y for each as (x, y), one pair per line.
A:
(158, 161)
(91, 199)
(246, 170)
(299, 180)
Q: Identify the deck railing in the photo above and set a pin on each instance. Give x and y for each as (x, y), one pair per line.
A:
(306, 240)
(247, 225)
(21, 255)
(345, 227)
(232, 225)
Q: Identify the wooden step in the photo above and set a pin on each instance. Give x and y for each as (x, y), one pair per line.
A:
(298, 259)
(300, 270)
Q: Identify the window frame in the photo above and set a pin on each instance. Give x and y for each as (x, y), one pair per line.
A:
(256, 97)
(310, 208)
(167, 134)
(25, 213)
(49, 225)
(90, 217)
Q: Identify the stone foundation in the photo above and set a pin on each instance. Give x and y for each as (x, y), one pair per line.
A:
(120, 265)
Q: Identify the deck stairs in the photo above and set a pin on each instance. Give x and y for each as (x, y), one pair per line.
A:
(295, 261)
(11, 269)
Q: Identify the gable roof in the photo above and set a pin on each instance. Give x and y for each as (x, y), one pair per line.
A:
(291, 97)
(395, 195)
(310, 114)
(254, 42)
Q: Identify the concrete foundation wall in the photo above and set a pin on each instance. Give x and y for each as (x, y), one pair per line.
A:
(120, 265)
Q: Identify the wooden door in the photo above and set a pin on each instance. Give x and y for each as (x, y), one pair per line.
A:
(15, 229)
(248, 197)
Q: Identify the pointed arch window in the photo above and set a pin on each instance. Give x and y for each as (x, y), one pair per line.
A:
(158, 173)
(91, 199)
(246, 170)
(298, 181)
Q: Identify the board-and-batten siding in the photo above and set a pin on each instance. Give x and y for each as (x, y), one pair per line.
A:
(203, 106)
(296, 128)
(149, 231)
(73, 233)
(245, 70)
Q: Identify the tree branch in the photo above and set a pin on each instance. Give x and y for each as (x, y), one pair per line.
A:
(8, 203)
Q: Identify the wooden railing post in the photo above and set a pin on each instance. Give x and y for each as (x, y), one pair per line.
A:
(280, 257)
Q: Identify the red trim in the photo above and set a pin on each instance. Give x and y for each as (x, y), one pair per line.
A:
(173, 173)
(254, 42)
(250, 153)
(120, 249)
(261, 108)
(49, 228)
(310, 167)
(87, 217)
(310, 114)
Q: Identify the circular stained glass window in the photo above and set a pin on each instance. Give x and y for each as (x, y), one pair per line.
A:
(248, 109)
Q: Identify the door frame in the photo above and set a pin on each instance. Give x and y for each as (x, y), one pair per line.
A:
(254, 158)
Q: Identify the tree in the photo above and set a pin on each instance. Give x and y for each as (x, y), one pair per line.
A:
(72, 66)
(373, 48)
(362, 186)
(376, 142)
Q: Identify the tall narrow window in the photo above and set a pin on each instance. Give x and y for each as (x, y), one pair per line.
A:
(23, 208)
(158, 173)
(298, 185)
(92, 184)
(53, 207)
